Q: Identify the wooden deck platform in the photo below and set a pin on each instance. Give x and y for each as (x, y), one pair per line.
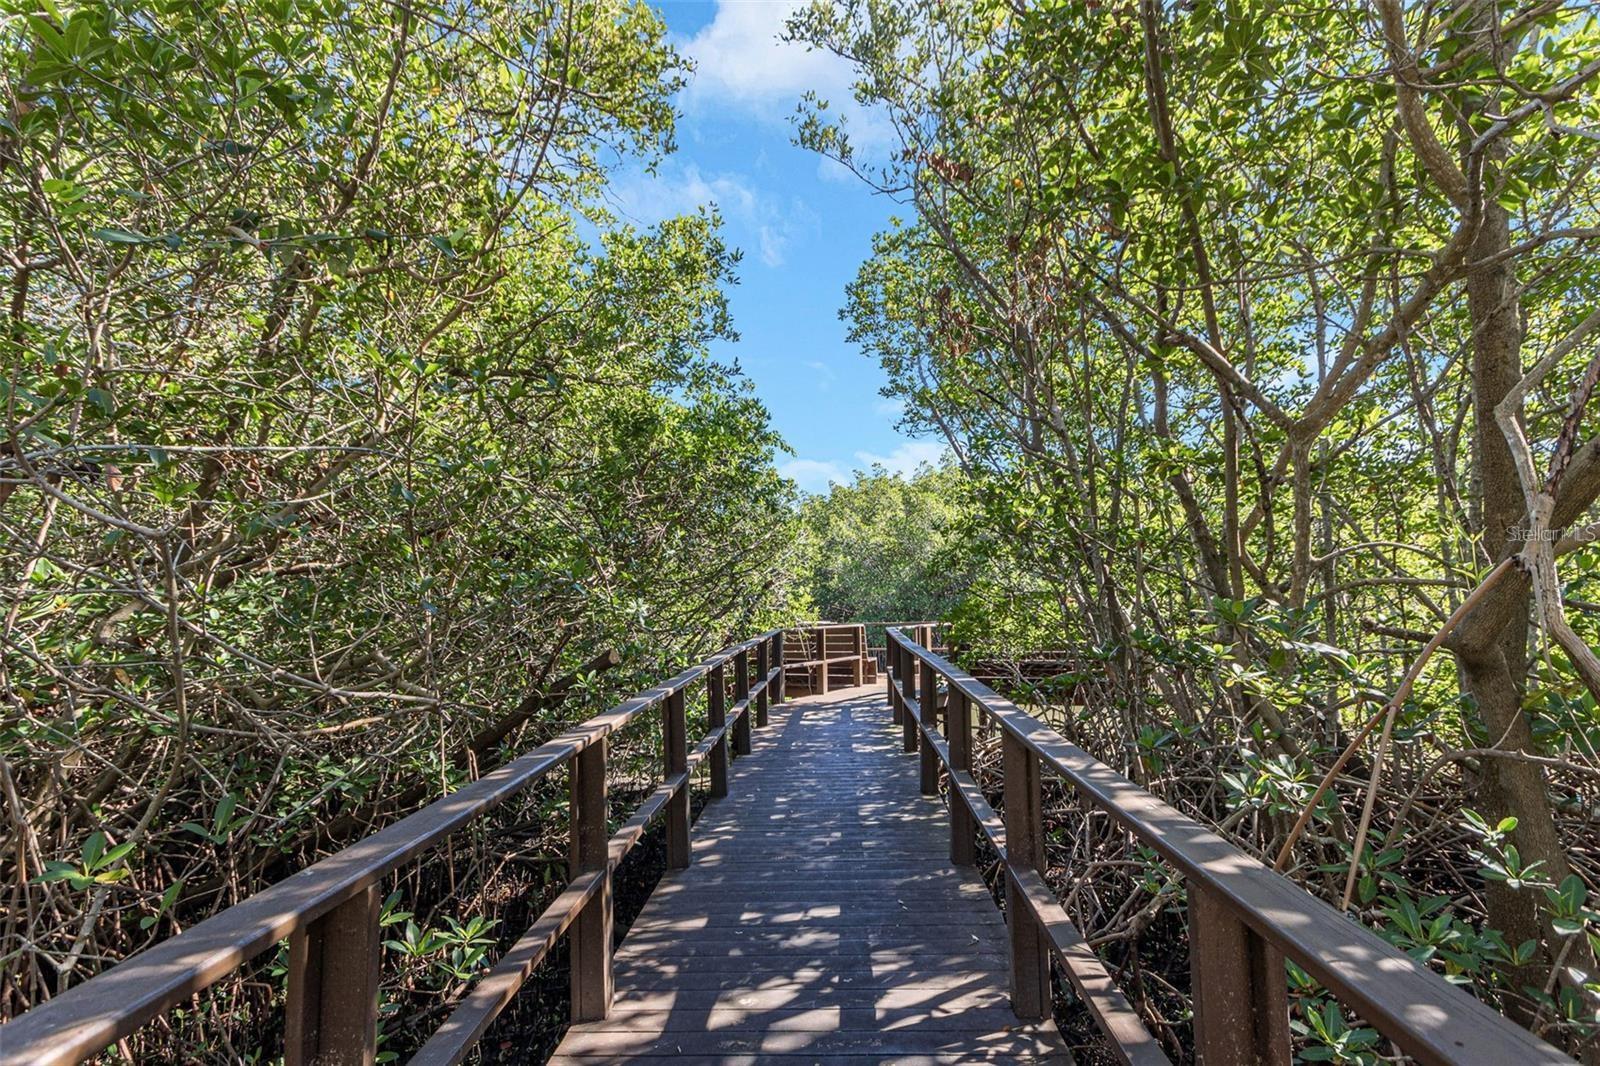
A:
(821, 920)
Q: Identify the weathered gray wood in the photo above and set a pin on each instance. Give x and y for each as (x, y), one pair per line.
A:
(802, 996)
(1019, 1045)
(821, 919)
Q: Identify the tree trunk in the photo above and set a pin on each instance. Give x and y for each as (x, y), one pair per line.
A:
(1494, 664)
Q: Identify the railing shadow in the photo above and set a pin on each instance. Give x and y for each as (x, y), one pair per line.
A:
(740, 954)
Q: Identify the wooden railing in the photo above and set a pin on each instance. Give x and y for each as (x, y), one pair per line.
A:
(1244, 919)
(924, 633)
(815, 650)
(329, 912)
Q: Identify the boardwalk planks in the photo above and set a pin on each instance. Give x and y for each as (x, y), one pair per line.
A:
(821, 919)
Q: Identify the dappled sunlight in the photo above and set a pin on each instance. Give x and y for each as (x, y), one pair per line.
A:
(821, 915)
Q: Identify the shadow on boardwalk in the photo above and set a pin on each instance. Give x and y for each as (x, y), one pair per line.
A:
(821, 920)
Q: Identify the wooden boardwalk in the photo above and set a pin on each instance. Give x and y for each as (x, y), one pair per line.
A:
(821, 920)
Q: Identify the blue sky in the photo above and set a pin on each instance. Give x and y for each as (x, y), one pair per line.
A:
(803, 223)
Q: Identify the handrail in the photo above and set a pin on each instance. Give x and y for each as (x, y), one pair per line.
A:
(816, 635)
(1244, 918)
(329, 911)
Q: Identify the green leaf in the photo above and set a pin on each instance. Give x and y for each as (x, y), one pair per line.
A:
(103, 400)
(121, 236)
(224, 811)
(55, 870)
(93, 848)
(116, 854)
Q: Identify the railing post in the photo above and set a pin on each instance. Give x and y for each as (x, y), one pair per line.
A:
(675, 757)
(908, 676)
(741, 692)
(822, 654)
(858, 665)
(930, 718)
(1024, 818)
(716, 717)
(1241, 998)
(777, 656)
(891, 669)
(958, 728)
(332, 1011)
(591, 929)
(763, 667)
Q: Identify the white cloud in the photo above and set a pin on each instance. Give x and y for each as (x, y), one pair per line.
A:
(739, 56)
(887, 408)
(780, 227)
(755, 218)
(906, 458)
(812, 475)
(773, 245)
(679, 188)
(815, 475)
(741, 61)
